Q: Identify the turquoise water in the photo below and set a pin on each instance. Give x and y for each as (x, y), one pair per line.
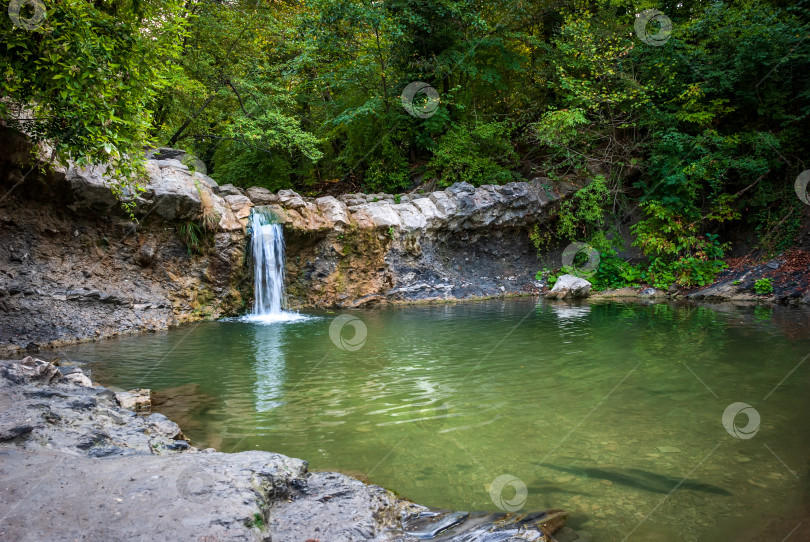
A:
(599, 409)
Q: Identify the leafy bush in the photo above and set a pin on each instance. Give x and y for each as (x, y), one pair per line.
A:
(388, 170)
(677, 251)
(245, 167)
(584, 212)
(615, 272)
(478, 153)
(763, 286)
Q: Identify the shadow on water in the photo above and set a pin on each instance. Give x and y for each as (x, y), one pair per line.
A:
(641, 479)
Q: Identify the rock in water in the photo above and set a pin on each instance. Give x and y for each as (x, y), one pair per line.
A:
(138, 400)
(569, 287)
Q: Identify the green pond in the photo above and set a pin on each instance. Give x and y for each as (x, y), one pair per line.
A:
(612, 411)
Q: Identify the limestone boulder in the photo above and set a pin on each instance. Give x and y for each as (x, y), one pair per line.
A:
(569, 287)
(381, 214)
(261, 196)
(240, 205)
(428, 210)
(91, 191)
(410, 216)
(138, 400)
(445, 205)
(333, 210)
(171, 193)
(206, 180)
(229, 190)
(290, 199)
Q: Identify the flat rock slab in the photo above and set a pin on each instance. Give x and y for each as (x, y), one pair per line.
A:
(74, 465)
(189, 497)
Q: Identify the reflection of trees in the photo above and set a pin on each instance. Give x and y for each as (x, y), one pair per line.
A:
(694, 335)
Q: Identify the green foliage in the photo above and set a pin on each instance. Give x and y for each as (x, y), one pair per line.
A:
(583, 213)
(245, 167)
(477, 153)
(549, 276)
(763, 286)
(702, 133)
(192, 235)
(678, 252)
(614, 272)
(258, 521)
(86, 78)
(388, 171)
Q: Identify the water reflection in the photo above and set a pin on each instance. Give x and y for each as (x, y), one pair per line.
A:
(565, 313)
(442, 398)
(269, 366)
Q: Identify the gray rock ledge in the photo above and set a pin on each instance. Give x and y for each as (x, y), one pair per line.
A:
(76, 466)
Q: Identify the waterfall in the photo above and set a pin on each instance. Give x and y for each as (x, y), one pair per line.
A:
(267, 250)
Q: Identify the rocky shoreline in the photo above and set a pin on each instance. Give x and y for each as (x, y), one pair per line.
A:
(74, 267)
(788, 274)
(77, 466)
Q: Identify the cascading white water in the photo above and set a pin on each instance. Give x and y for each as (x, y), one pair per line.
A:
(267, 246)
(267, 250)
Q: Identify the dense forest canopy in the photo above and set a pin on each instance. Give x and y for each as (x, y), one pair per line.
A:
(685, 120)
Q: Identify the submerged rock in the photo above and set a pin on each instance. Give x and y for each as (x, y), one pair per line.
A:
(113, 475)
(136, 400)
